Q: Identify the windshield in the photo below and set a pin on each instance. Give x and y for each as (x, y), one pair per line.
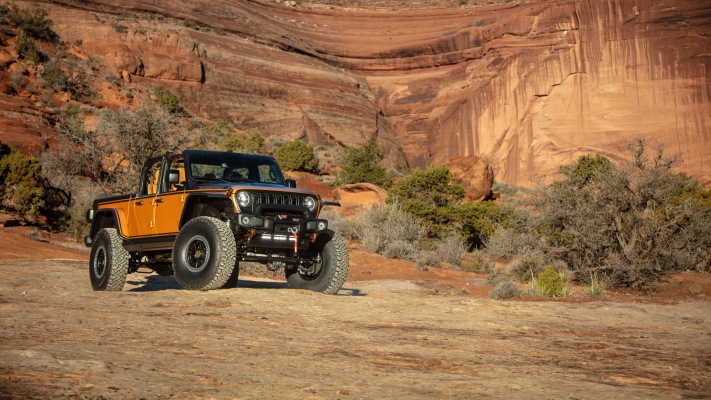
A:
(235, 168)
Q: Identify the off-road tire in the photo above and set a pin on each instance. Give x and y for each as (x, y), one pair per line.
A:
(108, 262)
(204, 254)
(234, 277)
(334, 267)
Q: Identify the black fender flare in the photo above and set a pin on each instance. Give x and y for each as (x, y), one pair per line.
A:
(107, 218)
(194, 200)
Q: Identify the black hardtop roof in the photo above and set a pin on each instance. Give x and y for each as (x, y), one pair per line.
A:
(190, 152)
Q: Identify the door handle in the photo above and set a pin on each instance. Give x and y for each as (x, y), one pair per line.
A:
(139, 203)
(160, 200)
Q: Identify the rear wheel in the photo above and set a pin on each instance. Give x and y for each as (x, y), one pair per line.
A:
(204, 254)
(108, 264)
(330, 271)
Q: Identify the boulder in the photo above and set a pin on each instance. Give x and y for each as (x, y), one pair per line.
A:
(359, 195)
(475, 175)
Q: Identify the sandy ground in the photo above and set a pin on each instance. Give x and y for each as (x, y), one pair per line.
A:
(392, 332)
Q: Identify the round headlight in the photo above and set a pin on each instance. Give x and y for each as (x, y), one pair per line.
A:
(244, 199)
(310, 203)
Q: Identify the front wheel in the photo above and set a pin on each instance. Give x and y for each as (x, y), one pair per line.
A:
(108, 264)
(204, 254)
(330, 272)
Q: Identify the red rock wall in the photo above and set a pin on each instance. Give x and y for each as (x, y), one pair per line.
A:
(527, 86)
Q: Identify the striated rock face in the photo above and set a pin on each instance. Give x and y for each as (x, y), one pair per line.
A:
(527, 86)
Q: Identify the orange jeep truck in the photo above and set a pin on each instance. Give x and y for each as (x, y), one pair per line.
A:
(200, 213)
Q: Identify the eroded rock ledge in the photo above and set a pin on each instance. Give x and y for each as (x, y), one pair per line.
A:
(527, 86)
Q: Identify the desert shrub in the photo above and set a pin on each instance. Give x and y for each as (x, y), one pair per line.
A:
(73, 221)
(495, 277)
(211, 136)
(327, 158)
(22, 190)
(508, 243)
(111, 157)
(425, 259)
(525, 265)
(450, 249)
(509, 192)
(400, 249)
(55, 76)
(632, 224)
(168, 100)
(362, 164)
(596, 286)
(32, 21)
(296, 156)
(33, 234)
(479, 220)
(243, 142)
(549, 283)
(478, 263)
(430, 195)
(89, 164)
(344, 226)
(382, 226)
(504, 290)
(26, 47)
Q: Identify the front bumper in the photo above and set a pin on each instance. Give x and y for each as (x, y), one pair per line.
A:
(284, 234)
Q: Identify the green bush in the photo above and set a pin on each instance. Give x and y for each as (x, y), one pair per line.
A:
(55, 76)
(243, 142)
(362, 164)
(296, 156)
(22, 189)
(430, 195)
(549, 283)
(26, 47)
(32, 21)
(479, 220)
(632, 224)
(167, 99)
(210, 136)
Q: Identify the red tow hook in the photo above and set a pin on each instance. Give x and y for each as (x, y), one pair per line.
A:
(296, 240)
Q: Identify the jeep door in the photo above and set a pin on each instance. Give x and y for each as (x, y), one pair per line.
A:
(142, 207)
(170, 201)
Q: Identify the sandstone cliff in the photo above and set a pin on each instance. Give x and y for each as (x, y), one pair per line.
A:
(526, 86)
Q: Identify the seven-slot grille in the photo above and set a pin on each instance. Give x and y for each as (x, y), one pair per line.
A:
(278, 198)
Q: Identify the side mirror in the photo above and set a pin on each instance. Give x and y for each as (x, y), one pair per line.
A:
(173, 176)
(290, 183)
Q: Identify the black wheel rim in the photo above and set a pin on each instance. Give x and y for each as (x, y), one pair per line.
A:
(100, 262)
(197, 253)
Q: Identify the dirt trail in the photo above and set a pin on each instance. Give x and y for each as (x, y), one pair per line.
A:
(376, 339)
